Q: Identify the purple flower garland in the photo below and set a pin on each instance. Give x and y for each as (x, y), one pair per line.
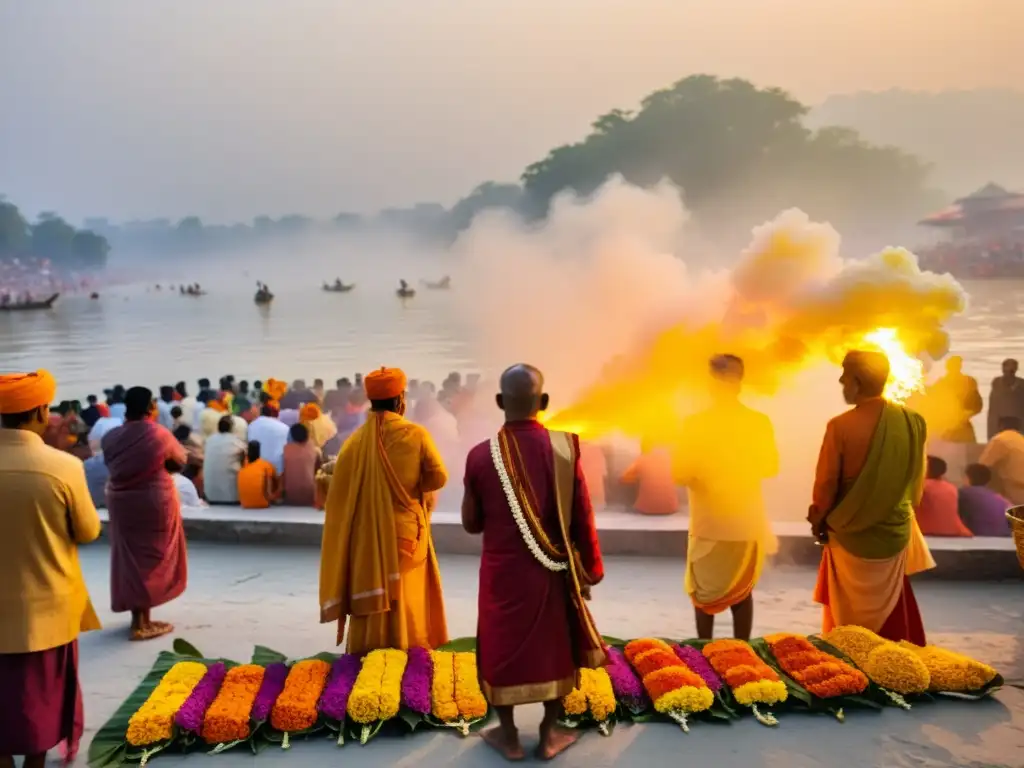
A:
(334, 699)
(190, 717)
(270, 689)
(417, 680)
(625, 683)
(695, 660)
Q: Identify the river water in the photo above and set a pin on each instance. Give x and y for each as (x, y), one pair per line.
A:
(135, 334)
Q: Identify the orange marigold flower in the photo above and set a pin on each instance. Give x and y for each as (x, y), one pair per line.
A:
(653, 660)
(728, 659)
(227, 719)
(636, 647)
(295, 708)
(669, 679)
(801, 660)
(741, 675)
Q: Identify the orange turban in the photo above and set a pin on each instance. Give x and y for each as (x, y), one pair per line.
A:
(22, 392)
(217, 405)
(385, 384)
(309, 412)
(276, 389)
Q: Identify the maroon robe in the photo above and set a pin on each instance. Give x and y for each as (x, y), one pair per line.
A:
(148, 561)
(529, 644)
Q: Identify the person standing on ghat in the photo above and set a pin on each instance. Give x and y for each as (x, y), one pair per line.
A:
(869, 478)
(526, 493)
(44, 602)
(378, 569)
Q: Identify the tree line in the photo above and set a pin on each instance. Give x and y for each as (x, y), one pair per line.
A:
(736, 151)
(50, 237)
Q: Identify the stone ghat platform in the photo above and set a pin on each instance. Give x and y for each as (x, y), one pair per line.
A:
(621, 533)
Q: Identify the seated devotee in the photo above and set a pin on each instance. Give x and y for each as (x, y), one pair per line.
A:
(335, 399)
(870, 474)
(164, 404)
(272, 435)
(289, 416)
(44, 600)
(258, 483)
(103, 424)
(96, 476)
(297, 396)
(188, 496)
(318, 390)
(58, 433)
(982, 509)
(595, 468)
(378, 570)
(116, 402)
(1004, 456)
(656, 488)
(223, 454)
(301, 461)
(215, 410)
(937, 511)
(438, 420)
(193, 470)
(186, 402)
(321, 427)
(148, 560)
(540, 559)
(726, 453)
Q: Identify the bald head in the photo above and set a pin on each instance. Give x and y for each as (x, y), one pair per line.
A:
(522, 392)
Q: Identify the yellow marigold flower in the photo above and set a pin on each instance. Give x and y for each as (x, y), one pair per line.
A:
(575, 703)
(153, 721)
(687, 699)
(391, 683)
(442, 689)
(761, 692)
(889, 665)
(950, 671)
(600, 696)
(364, 701)
(468, 697)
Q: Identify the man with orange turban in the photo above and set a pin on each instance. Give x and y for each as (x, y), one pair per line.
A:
(320, 426)
(377, 560)
(216, 408)
(47, 513)
(870, 476)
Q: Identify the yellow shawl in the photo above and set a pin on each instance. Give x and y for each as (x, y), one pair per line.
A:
(359, 570)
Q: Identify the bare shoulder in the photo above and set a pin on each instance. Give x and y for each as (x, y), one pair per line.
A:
(842, 421)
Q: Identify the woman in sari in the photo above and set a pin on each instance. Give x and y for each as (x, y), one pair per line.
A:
(148, 561)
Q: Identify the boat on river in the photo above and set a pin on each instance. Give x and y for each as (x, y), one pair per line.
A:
(338, 288)
(405, 293)
(263, 298)
(441, 285)
(25, 306)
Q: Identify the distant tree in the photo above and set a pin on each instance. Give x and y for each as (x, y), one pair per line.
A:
(52, 238)
(490, 194)
(14, 230)
(730, 145)
(89, 249)
(348, 220)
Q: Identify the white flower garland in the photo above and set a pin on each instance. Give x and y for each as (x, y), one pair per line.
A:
(517, 512)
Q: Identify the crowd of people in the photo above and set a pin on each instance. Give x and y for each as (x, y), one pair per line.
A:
(525, 491)
(985, 259)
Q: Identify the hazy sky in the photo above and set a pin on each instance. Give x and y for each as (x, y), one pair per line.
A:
(232, 108)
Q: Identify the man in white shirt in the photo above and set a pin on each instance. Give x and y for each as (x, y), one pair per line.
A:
(272, 435)
(186, 403)
(163, 407)
(222, 460)
(103, 424)
(188, 496)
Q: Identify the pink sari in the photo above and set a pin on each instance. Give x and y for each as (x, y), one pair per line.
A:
(148, 560)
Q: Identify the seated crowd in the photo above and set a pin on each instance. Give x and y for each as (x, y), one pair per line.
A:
(974, 509)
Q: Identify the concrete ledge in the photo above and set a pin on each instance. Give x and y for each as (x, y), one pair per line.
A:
(621, 533)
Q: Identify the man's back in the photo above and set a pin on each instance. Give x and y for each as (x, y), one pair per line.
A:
(222, 459)
(1004, 455)
(300, 463)
(46, 510)
(410, 451)
(272, 435)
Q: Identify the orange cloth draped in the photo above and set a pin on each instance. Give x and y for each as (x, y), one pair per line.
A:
(721, 574)
(256, 481)
(217, 405)
(652, 473)
(22, 392)
(377, 559)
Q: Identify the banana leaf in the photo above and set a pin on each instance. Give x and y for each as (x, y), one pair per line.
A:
(459, 645)
(991, 687)
(109, 748)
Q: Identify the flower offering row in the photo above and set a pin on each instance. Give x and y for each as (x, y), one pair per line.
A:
(216, 705)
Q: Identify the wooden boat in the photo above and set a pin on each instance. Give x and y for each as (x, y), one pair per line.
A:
(441, 285)
(405, 293)
(94, 296)
(25, 306)
(339, 288)
(263, 298)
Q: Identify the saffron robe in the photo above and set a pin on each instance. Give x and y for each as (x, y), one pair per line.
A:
(148, 558)
(870, 474)
(533, 631)
(377, 559)
(726, 453)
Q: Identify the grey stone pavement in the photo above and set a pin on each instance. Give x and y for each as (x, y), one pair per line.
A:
(239, 596)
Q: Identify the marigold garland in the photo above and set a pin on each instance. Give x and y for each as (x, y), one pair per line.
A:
(228, 717)
(442, 688)
(952, 672)
(751, 680)
(377, 693)
(594, 695)
(886, 663)
(674, 688)
(153, 722)
(295, 709)
(468, 696)
(821, 674)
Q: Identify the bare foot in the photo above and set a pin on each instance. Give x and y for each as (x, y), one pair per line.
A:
(508, 746)
(556, 742)
(152, 631)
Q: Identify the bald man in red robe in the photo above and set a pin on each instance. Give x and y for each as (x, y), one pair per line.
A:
(525, 492)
